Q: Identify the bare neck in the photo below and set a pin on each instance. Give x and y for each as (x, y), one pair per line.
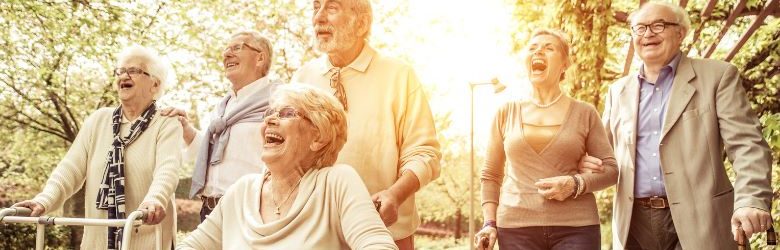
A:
(345, 57)
(133, 109)
(546, 93)
(285, 181)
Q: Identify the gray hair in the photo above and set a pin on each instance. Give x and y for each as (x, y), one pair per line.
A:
(325, 113)
(679, 13)
(155, 65)
(362, 9)
(262, 42)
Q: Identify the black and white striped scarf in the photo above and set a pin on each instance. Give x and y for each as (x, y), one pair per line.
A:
(111, 195)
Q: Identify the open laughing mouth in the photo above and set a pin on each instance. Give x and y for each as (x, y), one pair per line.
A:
(538, 66)
(125, 85)
(273, 139)
(231, 65)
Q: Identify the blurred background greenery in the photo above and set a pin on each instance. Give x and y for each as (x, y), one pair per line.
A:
(56, 60)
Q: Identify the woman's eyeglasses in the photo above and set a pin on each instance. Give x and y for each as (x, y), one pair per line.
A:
(284, 113)
(129, 71)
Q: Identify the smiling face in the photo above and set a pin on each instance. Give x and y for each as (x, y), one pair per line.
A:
(545, 59)
(135, 84)
(289, 138)
(658, 48)
(245, 65)
(336, 26)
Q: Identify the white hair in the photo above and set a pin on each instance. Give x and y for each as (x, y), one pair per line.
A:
(679, 12)
(157, 66)
(362, 9)
(261, 42)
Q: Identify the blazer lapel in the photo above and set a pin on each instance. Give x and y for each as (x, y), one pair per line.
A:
(681, 94)
(629, 99)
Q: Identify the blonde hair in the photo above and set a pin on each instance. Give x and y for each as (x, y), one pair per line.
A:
(325, 113)
(562, 38)
(157, 66)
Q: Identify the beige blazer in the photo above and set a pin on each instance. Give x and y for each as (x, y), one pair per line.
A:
(707, 113)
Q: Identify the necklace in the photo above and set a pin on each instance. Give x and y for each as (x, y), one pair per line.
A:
(541, 106)
(277, 211)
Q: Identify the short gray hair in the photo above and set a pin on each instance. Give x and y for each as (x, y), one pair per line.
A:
(325, 113)
(262, 42)
(155, 65)
(679, 12)
(362, 9)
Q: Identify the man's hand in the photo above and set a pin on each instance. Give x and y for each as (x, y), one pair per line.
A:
(155, 212)
(388, 208)
(187, 129)
(487, 234)
(752, 220)
(37, 208)
(589, 164)
(557, 188)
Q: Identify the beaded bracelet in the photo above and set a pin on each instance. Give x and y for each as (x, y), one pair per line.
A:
(576, 187)
(581, 187)
(491, 223)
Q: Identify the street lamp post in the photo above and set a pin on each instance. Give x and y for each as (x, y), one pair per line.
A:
(497, 87)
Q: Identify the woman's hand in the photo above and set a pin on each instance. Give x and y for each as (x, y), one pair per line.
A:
(556, 188)
(37, 208)
(487, 234)
(155, 212)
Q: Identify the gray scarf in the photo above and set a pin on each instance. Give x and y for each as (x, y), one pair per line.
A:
(212, 148)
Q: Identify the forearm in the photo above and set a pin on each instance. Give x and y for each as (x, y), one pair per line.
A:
(599, 181)
(489, 211)
(405, 186)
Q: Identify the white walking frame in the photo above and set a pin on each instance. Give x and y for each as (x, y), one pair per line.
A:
(134, 219)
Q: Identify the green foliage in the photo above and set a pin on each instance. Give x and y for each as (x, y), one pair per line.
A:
(22, 236)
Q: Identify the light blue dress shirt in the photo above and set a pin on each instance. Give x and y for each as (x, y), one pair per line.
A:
(653, 100)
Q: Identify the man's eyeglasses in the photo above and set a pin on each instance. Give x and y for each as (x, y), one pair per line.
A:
(238, 47)
(129, 71)
(656, 27)
(284, 113)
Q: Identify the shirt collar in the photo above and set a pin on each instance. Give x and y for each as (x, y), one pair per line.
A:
(360, 63)
(249, 89)
(671, 67)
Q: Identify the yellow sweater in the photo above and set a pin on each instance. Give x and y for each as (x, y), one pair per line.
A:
(151, 162)
(390, 125)
(331, 211)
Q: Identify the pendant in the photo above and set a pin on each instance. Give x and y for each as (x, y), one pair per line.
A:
(277, 211)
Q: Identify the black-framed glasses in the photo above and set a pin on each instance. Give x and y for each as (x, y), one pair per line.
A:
(238, 47)
(284, 113)
(129, 71)
(656, 27)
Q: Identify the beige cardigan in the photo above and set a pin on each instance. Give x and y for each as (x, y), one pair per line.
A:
(151, 162)
(331, 211)
(520, 205)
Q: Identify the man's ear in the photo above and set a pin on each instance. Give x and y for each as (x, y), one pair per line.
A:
(363, 26)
